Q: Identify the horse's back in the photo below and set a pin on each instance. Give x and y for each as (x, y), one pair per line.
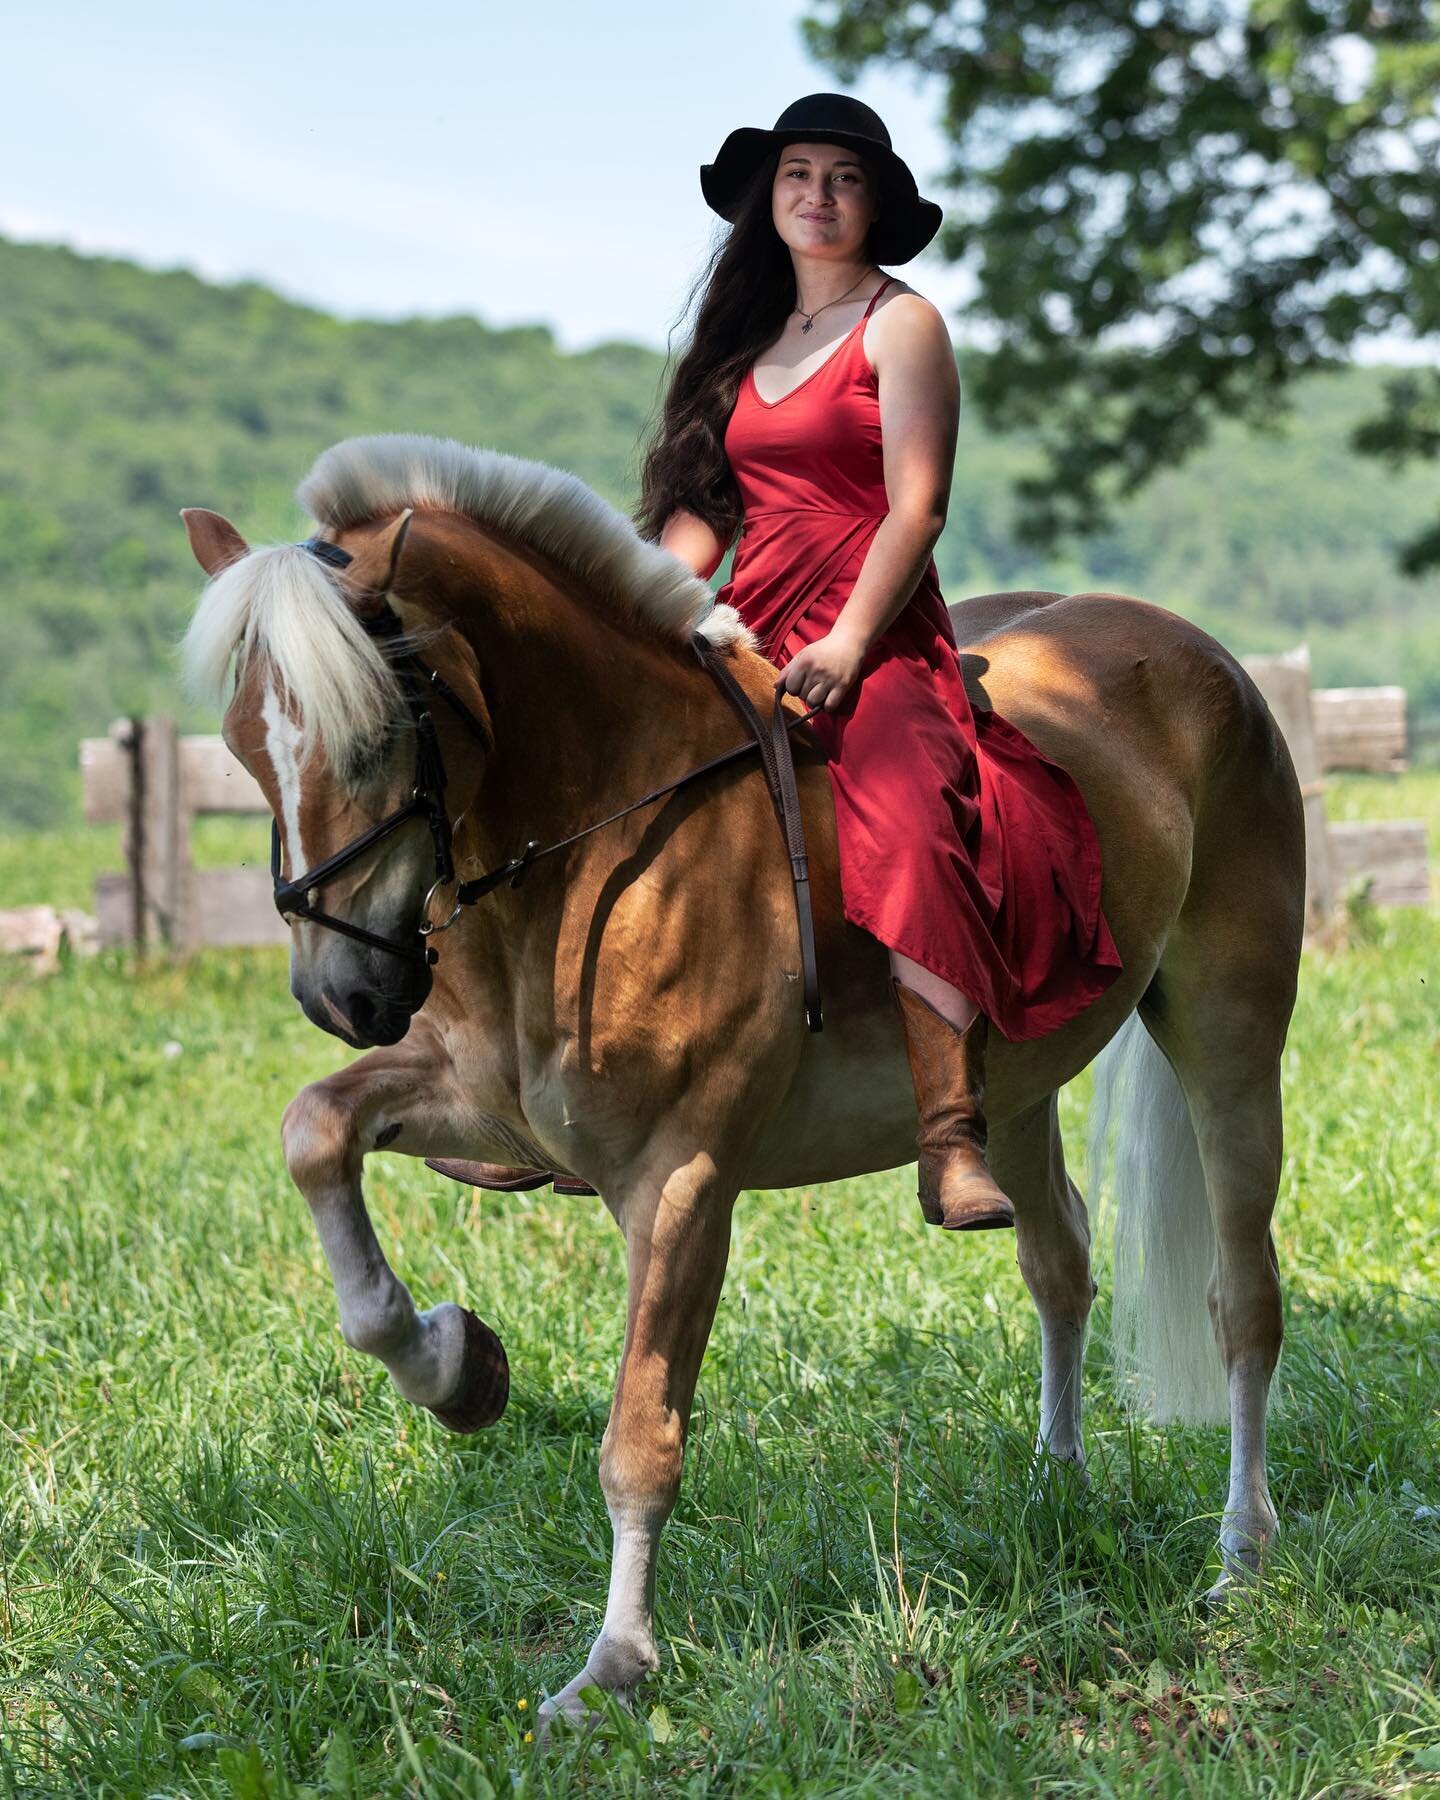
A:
(1095, 677)
(1182, 765)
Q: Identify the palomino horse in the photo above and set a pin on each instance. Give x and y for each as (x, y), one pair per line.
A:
(631, 1012)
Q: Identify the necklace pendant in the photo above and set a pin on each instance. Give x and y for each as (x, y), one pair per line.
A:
(807, 325)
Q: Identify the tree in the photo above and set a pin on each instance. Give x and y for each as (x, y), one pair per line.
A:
(1174, 210)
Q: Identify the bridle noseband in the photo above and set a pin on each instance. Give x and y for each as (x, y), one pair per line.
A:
(299, 898)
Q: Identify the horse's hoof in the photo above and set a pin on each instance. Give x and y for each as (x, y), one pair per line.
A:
(1241, 1575)
(484, 1386)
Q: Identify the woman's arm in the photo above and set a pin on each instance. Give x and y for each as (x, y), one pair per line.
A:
(694, 542)
(914, 364)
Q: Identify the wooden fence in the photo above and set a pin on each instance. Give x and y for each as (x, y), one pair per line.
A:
(155, 783)
(1343, 728)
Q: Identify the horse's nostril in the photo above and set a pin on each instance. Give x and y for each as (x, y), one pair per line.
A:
(377, 1019)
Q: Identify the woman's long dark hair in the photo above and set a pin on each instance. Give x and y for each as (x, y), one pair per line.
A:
(741, 301)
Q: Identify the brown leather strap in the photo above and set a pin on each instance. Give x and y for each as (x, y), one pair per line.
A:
(777, 760)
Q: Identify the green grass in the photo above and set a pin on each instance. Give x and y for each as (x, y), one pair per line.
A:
(234, 1562)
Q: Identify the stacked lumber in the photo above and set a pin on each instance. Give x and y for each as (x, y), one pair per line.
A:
(1360, 728)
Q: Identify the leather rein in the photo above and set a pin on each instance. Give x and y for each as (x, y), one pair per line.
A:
(299, 897)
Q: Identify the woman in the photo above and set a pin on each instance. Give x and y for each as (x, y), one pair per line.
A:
(815, 410)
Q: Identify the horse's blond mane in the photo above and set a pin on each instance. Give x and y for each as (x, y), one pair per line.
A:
(282, 604)
(549, 509)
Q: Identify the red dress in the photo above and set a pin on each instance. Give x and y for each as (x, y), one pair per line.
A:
(961, 846)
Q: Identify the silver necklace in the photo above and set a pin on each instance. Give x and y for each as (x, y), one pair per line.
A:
(810, 318)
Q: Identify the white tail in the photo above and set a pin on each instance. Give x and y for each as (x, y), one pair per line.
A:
(1157, 1214)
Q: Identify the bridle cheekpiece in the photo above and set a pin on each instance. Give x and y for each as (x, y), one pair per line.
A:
(299, 898)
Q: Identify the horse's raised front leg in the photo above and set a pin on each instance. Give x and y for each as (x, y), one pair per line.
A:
(444, 1359)
(1052, 1241)
(677, 1236)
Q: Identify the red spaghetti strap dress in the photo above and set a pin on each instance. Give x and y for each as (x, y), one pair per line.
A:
(961, 846)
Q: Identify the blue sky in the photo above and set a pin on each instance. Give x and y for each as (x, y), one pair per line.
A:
(521, 162)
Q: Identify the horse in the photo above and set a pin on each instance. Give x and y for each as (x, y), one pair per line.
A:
(627, 1011)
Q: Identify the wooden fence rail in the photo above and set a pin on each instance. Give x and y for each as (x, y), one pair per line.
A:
(1360, 728)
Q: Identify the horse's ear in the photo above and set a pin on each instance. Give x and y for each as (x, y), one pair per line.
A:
(214, 540)
(390, 547)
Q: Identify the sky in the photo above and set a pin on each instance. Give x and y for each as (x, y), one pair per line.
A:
(525, 163)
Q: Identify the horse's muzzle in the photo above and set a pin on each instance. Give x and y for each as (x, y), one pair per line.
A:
(365, 1017)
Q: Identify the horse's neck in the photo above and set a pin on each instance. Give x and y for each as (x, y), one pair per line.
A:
(589, 711)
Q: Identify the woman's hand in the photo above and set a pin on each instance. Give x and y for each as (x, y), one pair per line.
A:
(825, 671)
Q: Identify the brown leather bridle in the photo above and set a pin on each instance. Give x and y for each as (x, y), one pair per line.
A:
(298, 898)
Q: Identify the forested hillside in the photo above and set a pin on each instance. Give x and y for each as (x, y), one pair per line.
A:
(126, 394)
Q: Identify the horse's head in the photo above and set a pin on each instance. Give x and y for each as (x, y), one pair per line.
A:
(331, 712)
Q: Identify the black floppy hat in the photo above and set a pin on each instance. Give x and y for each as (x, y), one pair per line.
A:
(906, 223)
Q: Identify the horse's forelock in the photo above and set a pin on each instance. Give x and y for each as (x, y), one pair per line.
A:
(281, 605)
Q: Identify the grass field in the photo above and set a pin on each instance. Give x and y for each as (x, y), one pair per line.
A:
(234, 1562)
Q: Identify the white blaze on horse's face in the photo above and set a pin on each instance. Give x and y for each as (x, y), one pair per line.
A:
(282, 746)
(362, 994)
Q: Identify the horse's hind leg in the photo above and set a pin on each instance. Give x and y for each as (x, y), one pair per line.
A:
(1219, 1010)
(1053, 1246)
(444, 1359)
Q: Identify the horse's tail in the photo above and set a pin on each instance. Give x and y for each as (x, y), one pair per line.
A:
(1162, 1232)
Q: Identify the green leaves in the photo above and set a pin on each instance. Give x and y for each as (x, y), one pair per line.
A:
(1220, 212)
(126, 394)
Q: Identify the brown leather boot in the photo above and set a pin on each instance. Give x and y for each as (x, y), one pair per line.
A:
(947, 1066)
(502, 1179)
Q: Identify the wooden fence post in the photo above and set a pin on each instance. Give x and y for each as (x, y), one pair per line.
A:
(129, 736)
(155, 783)
(165, 847)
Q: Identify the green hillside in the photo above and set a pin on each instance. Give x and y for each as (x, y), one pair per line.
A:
(126, 394)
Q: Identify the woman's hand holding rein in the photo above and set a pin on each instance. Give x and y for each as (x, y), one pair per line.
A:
(824, 672)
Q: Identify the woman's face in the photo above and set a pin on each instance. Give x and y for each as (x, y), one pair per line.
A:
(823, 201)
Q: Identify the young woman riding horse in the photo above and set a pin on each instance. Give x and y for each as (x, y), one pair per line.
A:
(815, 413)
(473, 671)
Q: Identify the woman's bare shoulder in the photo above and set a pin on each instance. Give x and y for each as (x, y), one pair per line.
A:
(908, 310)
(905, 321)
